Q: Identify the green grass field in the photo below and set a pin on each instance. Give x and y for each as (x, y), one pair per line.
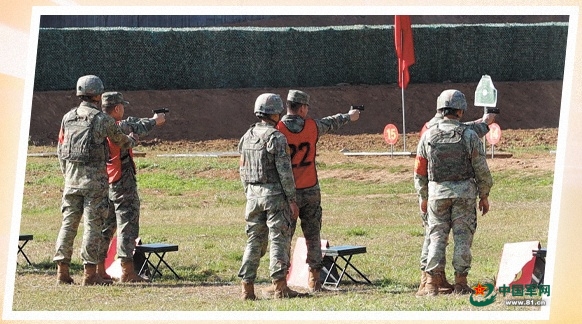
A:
(198, 204)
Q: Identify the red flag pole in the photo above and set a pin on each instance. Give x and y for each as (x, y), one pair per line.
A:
(405, 52)
(401, 75)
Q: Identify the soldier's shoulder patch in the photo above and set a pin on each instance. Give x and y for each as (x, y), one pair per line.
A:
(421, 166)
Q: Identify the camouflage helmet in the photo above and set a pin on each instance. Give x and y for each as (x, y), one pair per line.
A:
(269, 104)
(453, 99)
(89, 85)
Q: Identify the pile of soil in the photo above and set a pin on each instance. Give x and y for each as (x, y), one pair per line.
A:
(210, 114)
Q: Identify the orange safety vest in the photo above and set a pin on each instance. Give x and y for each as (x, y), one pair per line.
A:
(303, 149)
(114, 162)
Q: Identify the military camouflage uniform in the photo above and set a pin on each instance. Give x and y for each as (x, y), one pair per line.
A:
(124, 202)
(269, 188)
(309, 199)
(452, 203)
(481, 129)
(86, 185)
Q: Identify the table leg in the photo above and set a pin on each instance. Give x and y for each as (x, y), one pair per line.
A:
(21, 251)
(358, 271)
(167, 265)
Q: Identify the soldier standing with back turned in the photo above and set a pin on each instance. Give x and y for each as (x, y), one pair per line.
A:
(481, 127)
(82, 151)
(265, 171)
(450, 172)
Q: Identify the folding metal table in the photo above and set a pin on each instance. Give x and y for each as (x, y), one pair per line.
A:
(160, 250)
(24, 238)
(345, 253)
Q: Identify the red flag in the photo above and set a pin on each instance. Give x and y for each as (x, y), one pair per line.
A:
(404, 48)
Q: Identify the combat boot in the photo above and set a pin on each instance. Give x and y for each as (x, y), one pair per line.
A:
(91, 278)
(128, 273)
(420, 291)
(283, 291)
(461, 286)
(63, 276)
(445, 286)
(270, 290)
(313, 281)
(248, 291)
(432, 285)
(101, 271)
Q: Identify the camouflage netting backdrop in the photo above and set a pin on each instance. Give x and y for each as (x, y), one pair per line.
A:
(251, 57)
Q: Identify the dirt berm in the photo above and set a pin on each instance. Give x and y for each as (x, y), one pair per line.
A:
(198, 115)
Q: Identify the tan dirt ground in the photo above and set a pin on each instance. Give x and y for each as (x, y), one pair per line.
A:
(207, 114)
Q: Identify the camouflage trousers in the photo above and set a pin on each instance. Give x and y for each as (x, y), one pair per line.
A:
(91, 205)
(123, 216)
(310, 215)
(426, 242)
(267, 219)
(458, 215)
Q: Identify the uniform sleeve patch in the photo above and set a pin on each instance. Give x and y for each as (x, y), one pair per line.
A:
(421, 166)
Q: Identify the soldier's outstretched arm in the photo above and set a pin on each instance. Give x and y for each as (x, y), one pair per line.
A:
(331, 123)
(488, 118)
(480, 128)
(139, 126)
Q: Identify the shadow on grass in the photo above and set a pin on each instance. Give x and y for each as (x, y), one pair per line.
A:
(193, 277)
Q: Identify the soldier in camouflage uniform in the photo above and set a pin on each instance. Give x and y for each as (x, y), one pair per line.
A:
(481, 127)
(82, 151)
(265, 171)
(124, 203)
(302, 134)
(450, 172)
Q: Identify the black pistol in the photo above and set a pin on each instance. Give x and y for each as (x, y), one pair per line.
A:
(161, 111)
(360, 107)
